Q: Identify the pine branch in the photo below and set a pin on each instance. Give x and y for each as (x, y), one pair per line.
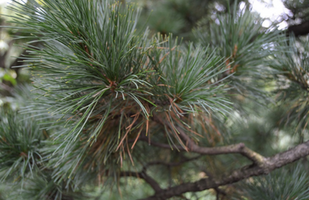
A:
(155, 186)
(235, 148)
(299, 29)
(103, 86)
(267, 165)
(217, 189)
(194, 148)
(191, 146)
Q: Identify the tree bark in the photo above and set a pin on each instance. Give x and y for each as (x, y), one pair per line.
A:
(266, 166)
(299, 29)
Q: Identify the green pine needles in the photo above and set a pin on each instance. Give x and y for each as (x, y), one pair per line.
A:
(20, 147)
(286, 183)
(292, 65)
(246, 45)
(104, 85)
(110, 100)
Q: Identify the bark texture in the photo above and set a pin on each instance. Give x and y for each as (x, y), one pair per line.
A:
(262, 167)
(299, 29)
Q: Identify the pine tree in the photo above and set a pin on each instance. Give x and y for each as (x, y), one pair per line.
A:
(112, 104)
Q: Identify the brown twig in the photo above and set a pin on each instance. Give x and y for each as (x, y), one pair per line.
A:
(229, 149)
(217, 189)
(235, 148)
(268, 164)
(191, 146)
(155, 186)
